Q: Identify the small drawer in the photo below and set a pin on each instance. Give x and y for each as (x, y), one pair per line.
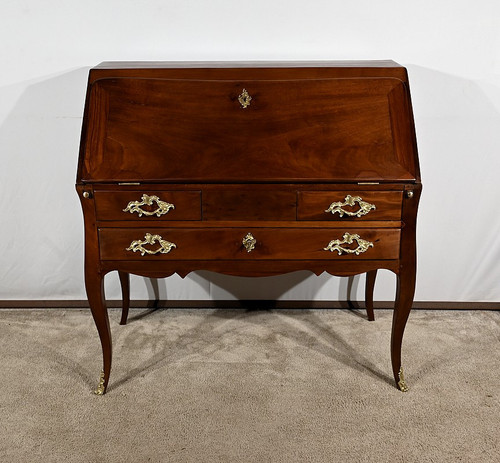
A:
(249, 205)
(349, 205)
(148, 205)
(243, 244)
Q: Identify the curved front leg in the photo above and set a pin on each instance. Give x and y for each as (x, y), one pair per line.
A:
(404, 300)
(125, 284)
(369, 287)
(405, 289)
(94, 283)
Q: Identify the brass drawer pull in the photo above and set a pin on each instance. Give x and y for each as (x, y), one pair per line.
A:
(336, 245)
(244, 98)
(146, 200)
(165, 246)
(249, 242)
(349, 200)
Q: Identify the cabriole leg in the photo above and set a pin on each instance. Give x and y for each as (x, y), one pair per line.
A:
(404, 299)
(95, 292)
(125, 284)
(369, 287)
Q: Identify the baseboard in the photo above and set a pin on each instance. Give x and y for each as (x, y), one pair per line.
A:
(247, 304)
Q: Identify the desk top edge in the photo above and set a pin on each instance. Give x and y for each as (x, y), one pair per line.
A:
(245, 64)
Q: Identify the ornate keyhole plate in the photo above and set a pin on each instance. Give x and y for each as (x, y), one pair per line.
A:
(244, 98)
(249, 242)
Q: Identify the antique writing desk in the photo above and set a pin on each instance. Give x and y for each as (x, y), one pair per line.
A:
(249, 169)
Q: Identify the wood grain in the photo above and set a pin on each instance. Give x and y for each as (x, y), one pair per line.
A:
(315, 130)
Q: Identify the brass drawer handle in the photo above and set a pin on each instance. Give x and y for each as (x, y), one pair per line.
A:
(165, 246)
(349, 200)
(336, 245)
(244, 98)
(146, 200)
(249, 242)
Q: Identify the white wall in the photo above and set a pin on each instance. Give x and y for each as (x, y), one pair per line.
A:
(451, 49)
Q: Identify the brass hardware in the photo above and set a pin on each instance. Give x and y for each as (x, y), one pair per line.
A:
(128, 183)
(165, 246)
(368, 183)
(402, 383)
(249, 242)
(86, 195)
(135, 206)
(244, 98)
(100, 388)
(409, 194)
(349, 200)
(336, 245)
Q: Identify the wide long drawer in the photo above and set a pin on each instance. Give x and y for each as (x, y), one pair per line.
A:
(252, 243)
(148, 205)
(349, 205)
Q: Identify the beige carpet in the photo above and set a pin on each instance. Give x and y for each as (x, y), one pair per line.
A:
(249, 386)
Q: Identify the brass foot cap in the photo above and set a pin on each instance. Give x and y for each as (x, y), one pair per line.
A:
(100, 388)
(402, 383)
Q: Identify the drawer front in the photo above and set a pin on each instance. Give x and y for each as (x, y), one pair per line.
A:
(249, 205)
(148, 205)
(349, 205)
(252, 243)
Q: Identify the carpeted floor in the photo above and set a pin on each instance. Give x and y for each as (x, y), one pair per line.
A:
(249, 386)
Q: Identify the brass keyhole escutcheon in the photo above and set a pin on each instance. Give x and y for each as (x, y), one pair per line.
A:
(244, 98)
(249, 242)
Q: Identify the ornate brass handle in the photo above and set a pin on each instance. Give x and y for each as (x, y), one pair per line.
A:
(146, 200)
(349, 200)
(336, 245)
(249, 242)
(138, 245)
(244, 98)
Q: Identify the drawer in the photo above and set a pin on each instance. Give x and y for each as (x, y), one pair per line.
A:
(148, 205)
(245, 243)
(249, 205)
(349, 205)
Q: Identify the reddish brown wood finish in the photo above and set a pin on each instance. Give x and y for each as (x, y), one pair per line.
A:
(293, 129)
(311, 133)
(369, 288)
(125, 285)
(241, 204)
(406, 278)
(226, 243)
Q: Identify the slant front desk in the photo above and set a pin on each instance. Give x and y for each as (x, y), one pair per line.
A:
(249, 169)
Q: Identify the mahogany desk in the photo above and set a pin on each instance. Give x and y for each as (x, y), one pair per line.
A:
(249, 169)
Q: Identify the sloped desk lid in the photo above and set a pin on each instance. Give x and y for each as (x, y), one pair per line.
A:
(320, 129)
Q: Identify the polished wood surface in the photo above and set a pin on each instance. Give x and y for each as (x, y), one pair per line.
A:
(288, 132)
(249, 204)
(226, 243)
(312, 135)
(369, 288)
